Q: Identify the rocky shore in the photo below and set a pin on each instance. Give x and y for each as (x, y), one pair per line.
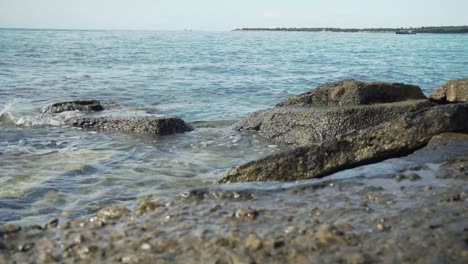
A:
(407, 205)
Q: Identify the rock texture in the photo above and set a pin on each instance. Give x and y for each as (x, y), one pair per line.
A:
(451, 92)
(77, 105)
(393, 139)
(334, 109)
(306, 125)
(139, 125)
(352, 92)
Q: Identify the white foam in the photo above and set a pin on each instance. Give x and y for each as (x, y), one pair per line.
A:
(8, 115)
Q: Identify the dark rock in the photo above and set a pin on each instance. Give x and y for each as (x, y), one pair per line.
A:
(393, 139)
(351, 92)
(77, 105)
(141, 125)
(451, 92)
(305, 125)
(334, 109)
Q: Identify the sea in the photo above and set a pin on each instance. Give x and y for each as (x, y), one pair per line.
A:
(209, 79)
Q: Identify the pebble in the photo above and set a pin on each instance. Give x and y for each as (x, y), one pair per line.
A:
(252, 242)
(9, 228)
(399, 177)
(382, 227)
(414, 177)
(146, 246)
(246, 212)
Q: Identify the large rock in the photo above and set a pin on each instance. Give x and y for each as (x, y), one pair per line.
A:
(389, 140)
(334, 109)
(451, 92)
(351, 92)
(76, 105)
(152, 125)
(301, 125)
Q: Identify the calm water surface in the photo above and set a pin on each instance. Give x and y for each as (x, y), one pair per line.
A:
(208, 78)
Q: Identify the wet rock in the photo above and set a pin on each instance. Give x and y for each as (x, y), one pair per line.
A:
(393, 139)
(302, 126)
(329, 234)
(334, 109)
(451, 92)
(146, 206)
(253, 243)
(245, 212)
(113, 212)
(382, 227)
(151, 125)
(352, 92)
(53, 222)
(26, 247)
(414, 177)
(399, 177)
(9, 228)
(76, 105)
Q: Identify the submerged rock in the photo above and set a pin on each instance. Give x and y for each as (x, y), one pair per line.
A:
(352, 92)
(392, 139)
(451, 92)
(334, 109)
(152, 125)
(139, 123)
(76, 105)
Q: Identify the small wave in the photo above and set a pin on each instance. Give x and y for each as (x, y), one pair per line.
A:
(5, 113)
(9, 116)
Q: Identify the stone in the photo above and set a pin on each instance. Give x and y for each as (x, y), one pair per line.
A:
(9, 228)
(389, 140)
(76, 105)
(152, 125)
(453, 91)
(334, 109)
(306, 125)
(352, 92)
(113, 212)
(252, 242)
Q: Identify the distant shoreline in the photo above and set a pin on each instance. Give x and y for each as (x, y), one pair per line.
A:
(433, 30)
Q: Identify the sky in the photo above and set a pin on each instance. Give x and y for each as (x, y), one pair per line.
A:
(228, 15)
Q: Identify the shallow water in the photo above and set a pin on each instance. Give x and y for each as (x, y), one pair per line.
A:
(207, 78)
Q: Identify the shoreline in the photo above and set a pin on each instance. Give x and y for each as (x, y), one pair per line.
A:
(373, 218)
(418, 30)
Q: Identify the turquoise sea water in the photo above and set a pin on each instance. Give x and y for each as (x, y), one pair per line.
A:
(207, 78)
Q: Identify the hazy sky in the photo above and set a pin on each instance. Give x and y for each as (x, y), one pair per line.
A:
(227, 15)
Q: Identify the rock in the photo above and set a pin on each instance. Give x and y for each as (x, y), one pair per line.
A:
(451, 92)
(76, 105)
(393, 139)
(252, 242)
(334, 109)
(153, 125)
(305, 125)
(351, 92)
(113, 212)
(9, 228)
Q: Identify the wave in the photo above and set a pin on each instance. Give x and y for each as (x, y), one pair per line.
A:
(8, 115)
